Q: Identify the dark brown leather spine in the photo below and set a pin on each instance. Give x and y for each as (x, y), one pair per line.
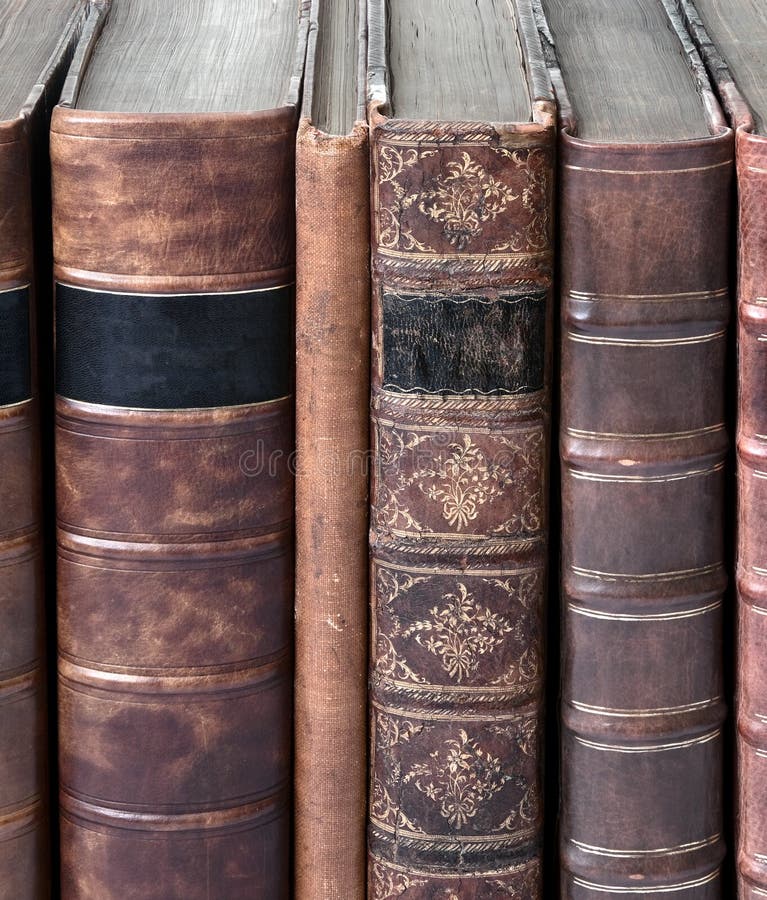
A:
(332, 442)
(175, 524)
(459, 502)
(643, 443)
(24, 840)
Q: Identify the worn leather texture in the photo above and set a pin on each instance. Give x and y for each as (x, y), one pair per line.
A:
(175, 544)
(24, 865)
(751, 566)
(752, 515)
(332, 438)
(645, 307)
(25, 871)
(459, 502)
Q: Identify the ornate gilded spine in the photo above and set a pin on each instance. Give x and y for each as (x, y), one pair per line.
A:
(462, 258)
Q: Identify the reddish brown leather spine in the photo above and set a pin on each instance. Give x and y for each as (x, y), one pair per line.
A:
(751, 567)
(175, 524)
(24, 841)
(461, 392)
(752, 515)
(644, 318)
(332, 441)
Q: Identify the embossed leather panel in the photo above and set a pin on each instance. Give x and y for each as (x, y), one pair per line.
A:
(459, 517)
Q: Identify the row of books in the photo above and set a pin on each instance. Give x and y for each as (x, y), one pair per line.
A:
(413, 174)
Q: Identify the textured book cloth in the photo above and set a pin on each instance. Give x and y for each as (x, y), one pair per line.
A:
(36, 44)
(646, 171)
(332, 427)
(462, 273)
(174, 261)
(732, 37)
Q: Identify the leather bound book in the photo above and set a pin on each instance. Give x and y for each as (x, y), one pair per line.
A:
(173, 212)
(36, 44)
(462, 195)
(646, 172)
(332, 441)
(731, 36)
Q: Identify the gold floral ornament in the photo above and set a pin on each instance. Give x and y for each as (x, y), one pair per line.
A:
(463, 197)
(467, 480)
(385, 810)
(466, 198)
(460, 633)
(461, 777)
(461, 479)
(390, 884)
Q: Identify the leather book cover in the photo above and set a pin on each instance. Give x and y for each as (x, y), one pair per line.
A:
(174, 263)
(644, 313)
(462, 233)
(751, 446)
(25, 298)
(332, 441)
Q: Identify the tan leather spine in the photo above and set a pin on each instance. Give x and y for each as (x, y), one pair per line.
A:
(332, 442)
(175, 526)
(332, 398)
(645, 308)
(158, 245)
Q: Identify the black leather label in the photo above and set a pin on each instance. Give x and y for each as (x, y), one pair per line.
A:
(172, 351)
(464, 343)
(15, 363)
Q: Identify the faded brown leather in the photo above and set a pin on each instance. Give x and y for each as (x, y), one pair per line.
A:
(332, 441)
(751, 150)
(751, 167)
(159, 245)
(332, 423)
(459, 513)
(645, 306)
(24, 817)
(175, 546)
(24, 865)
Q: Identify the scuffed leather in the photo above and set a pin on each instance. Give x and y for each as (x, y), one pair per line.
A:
(175, 528)
(24, 213)
(459, 517)
(644, 234)
(332, 439)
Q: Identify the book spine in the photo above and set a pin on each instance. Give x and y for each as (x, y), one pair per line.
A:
(462, 274)
(23, 754)
(332, 440)
(643, 443)
(174, 262)
(752, 514)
